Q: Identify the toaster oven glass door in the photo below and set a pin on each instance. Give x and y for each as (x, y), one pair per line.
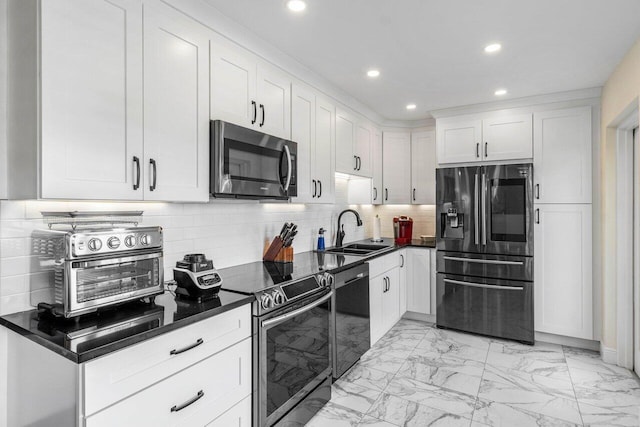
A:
(96, 283)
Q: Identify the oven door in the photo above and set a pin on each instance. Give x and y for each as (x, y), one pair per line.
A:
(95, 283)
(507, 209)
(499, 308)
(251, 164)
(292, 356)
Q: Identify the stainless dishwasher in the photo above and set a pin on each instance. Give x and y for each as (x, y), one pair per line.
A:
(350, 318)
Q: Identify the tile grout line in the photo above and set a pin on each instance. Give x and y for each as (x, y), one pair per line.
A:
(573, 387)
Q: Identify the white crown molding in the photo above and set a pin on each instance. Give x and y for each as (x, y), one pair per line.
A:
(573, 95)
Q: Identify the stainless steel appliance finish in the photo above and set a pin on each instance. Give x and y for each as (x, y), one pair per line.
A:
(249, 164)
(485, 244)
(96, 268)
(351, 318)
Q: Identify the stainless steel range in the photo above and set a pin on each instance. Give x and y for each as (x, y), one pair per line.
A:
(484, 222)
(292, 344)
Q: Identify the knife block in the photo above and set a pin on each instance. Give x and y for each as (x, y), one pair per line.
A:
(285, 255)
(277, 253)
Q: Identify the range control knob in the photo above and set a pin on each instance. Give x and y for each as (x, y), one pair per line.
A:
(94, 245)
(266, 302)
(329, 279)
(113, 243)
(130, 241)
(278, 298)
(145, 240)
(323, 281)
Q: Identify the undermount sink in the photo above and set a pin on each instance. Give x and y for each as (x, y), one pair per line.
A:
(357, 249)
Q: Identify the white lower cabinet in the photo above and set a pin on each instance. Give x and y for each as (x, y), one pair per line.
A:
(562, 271)
(384, 294)
(238, 416)
(418, 282)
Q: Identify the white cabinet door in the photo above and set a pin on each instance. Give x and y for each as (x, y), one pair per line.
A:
(391, 299)
(324, 172)
(507, 138)
(562, 272)
(274, 102)
(562, 156)
(376, 287)
(419, 281)
(176, 106)
(233, 85)
(402, 285)
(238, 416)
(459, 141)
(91, 99)
(362, 149)
(376, 155)
(423, 168)
(345, 140)
(396, 175)
(303, 132)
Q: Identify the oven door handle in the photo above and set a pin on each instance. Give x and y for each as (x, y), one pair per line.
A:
(111, 261)
(289, 171)
(280, 319)
(483, 261)
(482, 285)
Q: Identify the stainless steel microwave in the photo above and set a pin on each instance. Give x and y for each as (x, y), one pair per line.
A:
(249, 164)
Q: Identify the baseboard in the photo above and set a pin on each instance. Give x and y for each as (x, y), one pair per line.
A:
(431, 318)
(568, 341)
(609, 355)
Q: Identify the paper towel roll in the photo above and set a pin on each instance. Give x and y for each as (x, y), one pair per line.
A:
(376, 228)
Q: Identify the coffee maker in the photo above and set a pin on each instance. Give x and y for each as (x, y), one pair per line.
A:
(402, 230)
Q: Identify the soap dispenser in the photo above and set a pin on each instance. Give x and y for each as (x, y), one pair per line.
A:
(321, 239)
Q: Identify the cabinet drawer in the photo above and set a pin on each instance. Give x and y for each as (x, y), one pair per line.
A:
(238, 416)
(379, 265)
(221, 380)
(118, 375)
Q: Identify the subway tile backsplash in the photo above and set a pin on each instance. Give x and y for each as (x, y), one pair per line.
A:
(228, 232)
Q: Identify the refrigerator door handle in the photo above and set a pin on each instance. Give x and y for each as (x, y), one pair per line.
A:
(484, 208)
(476, 211)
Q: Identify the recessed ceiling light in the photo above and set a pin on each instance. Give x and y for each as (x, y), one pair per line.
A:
(296, 5)
(493, 48)
(373, 73)
(411, 106)
(500, 92)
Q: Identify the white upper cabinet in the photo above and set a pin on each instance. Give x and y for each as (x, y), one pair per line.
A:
(376, 156)
(562, 156)
(423, 168)
(313, 123)
(504, 137)
(176, 106)
(459, 141)
(563, 279)
(91, 99)
(507, 138)
(354, 138)
(396, 149)
(248, 92)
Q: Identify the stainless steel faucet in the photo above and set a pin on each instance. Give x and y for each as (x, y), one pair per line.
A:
(340, 234)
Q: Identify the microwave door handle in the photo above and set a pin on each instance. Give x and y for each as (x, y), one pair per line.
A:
(476, 211)
(289, 170)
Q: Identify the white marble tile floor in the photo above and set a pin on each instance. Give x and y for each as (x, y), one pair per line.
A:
(419, 376)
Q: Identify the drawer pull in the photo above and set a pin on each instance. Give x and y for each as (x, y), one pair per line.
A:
(177, 408)
(482, 285)
(483, 261)
(182, 350)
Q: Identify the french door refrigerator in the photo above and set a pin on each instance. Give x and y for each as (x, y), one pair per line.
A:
(484, 228)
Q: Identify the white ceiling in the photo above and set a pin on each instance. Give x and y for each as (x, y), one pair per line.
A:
(430, 52)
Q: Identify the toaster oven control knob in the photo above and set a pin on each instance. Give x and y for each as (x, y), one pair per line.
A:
(94, 245)
(145, 240)
(130, 241)
(266, 302)
(113, 243)
(278, 298)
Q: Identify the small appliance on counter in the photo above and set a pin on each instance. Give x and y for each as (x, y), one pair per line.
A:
(196, 278)
(402, 230)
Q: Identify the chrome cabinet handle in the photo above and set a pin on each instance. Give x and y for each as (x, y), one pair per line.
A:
(537, 216)
(483, 261)
(402, 259)
(155, 174)
(314, 188)
(414, 194)
(486, 149)
(191, 401)
(187, 348)
(355, 168)
(262, 109)
(482, 285)
(538, 191)
(255, 112)
(294, 313)
(320, 185)
(477, 150)
(375, 193)
(136, 161)
(386, 194)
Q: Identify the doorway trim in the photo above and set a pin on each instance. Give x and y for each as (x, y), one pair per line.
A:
(624, 217)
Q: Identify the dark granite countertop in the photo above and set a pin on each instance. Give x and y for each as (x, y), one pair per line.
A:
(102, 333)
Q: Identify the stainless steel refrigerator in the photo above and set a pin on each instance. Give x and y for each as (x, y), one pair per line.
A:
(484, 229)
